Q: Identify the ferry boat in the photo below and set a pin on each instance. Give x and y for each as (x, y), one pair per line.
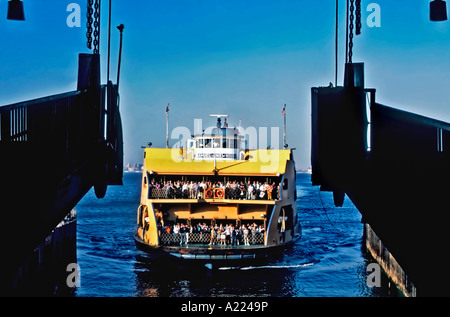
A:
(215, 199)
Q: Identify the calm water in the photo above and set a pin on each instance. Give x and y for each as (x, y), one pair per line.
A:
(327, 261)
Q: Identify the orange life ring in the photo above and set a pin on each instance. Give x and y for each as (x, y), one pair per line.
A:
(218, 193)
(208, 193)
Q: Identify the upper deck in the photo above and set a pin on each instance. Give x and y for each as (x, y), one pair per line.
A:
(219, 150)
(220, 142)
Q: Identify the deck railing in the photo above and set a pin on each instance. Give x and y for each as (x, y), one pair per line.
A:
(55, 130)
(211, 193)
(205, 238)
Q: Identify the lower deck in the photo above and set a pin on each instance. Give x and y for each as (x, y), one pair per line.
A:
(216, 238)
(170, 210)
(206, 222)
(213, 253)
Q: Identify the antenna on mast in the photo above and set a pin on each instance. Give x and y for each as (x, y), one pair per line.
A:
(219, 116)
(283, 112)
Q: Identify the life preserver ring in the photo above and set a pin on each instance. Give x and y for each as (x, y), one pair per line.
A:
(218, 193)
(208, 193)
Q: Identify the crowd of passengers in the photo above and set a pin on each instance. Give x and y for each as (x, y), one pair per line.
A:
(199, 190)
(219, 234)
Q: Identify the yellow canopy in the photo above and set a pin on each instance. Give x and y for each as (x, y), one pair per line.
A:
(178, 162)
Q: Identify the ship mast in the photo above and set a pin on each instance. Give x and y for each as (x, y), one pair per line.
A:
(218, 116)
(167, 126)
(284, 127)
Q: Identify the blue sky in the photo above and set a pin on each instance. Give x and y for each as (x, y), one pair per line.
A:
(244, 58)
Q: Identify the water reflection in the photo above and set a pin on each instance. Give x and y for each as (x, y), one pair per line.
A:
(296, 273)
(171, 278)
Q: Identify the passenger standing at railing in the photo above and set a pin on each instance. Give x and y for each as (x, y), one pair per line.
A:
(253, 192)
(213, 236)
(185, 190)
(262, 192)
(177, 190)
(238, 235)
(256, 190)
(166, 189)
(176, 229)
(169, 190)
(222, 237)
(228, 191)
(234, 190)
(242, 193)
(233, 236)
(245, 233)
(269, 191)
(227, 235)
(196, 188)
(172, 188)
(249, 190)
(201, 190)
(183, 231)
(253, 232)
(191, 190)
(261, 230)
